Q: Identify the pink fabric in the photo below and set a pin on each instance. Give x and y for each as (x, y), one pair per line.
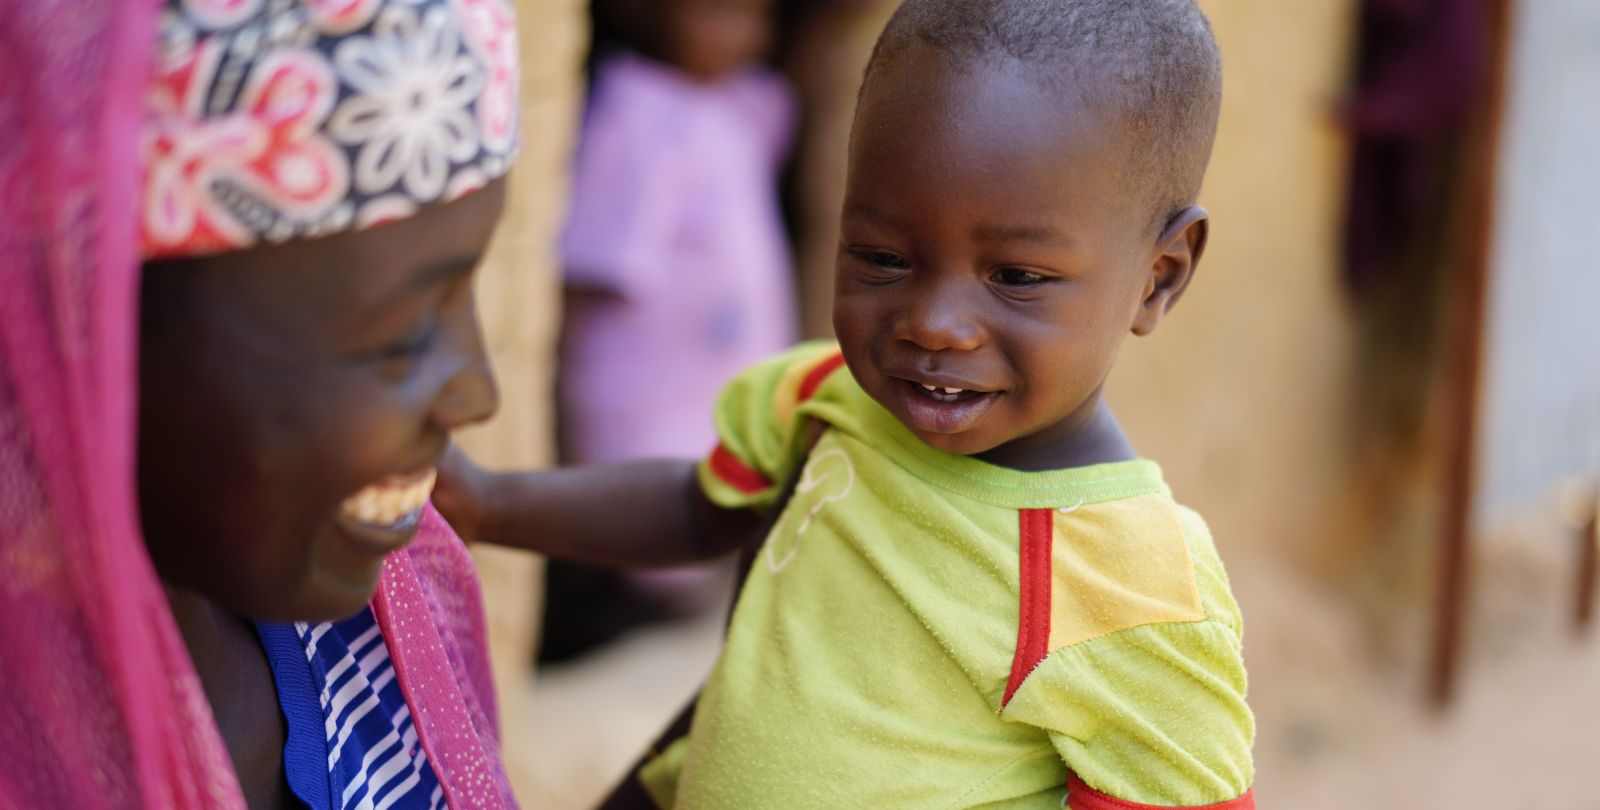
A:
(675, 211)
(430, 611)
(100, 706)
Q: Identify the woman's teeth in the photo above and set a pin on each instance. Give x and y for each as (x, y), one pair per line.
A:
(392, 502)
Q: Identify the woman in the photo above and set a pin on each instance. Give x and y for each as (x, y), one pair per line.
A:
(275, 617)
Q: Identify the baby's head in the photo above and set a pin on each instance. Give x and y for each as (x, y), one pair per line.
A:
(1021, 191)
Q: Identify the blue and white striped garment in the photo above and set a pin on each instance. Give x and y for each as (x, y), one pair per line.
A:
(374, 761)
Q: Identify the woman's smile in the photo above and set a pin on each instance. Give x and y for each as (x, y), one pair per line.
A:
(383, 516)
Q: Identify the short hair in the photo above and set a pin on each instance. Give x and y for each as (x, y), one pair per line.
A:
(1153, 63)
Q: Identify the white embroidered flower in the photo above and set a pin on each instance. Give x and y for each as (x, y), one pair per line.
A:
(409, 116)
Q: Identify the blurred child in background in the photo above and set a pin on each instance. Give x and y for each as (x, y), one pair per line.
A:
(676, 262)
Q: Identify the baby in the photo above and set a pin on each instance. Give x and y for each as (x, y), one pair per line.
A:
(970, 591)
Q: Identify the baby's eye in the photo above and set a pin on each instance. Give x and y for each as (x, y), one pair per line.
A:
(1017, 277)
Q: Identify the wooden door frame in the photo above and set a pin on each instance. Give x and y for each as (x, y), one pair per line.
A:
(1464, 378)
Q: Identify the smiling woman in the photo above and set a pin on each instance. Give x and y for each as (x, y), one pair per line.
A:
(291, 395)
(311, 187)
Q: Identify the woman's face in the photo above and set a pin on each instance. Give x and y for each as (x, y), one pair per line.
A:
(294, 400)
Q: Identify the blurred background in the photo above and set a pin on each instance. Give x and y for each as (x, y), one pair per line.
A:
(1383, 392)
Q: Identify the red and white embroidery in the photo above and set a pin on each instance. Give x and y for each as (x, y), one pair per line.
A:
(203, 171)
(490, 30)
(342, 16)
(271, 122)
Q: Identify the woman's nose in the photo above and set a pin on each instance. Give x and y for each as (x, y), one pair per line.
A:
(471, 394)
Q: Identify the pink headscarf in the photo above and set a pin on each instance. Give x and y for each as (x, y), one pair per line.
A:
(100, 706)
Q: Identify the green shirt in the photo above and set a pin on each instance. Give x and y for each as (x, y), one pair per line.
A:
(927, 630)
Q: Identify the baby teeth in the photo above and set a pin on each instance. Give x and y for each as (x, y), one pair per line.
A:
(933, 389)
(389, 502)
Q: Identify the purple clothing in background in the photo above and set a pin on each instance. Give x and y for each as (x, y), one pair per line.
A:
(675, 213)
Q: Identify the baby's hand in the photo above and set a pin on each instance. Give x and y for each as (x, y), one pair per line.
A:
(461, 493)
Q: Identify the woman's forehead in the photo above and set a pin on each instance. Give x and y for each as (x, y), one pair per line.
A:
(339, 284)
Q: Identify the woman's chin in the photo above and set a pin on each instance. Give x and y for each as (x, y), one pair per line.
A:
(342, 598)
(326, 596)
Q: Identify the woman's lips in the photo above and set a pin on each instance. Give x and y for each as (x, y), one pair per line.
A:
(383, 516)
(942, 409)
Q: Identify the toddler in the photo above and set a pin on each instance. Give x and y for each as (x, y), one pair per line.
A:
(973, 592)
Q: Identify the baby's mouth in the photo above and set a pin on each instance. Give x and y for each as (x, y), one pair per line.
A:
(944, 394)
(395, 503)
(935, 408)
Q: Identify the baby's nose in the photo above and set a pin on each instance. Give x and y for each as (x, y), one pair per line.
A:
(942, 319)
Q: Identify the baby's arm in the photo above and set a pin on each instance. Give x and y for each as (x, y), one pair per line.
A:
(655, 512)
(647, 513)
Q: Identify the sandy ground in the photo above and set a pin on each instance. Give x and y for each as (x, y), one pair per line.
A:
(591, 719)
(1523, 733)
(1524, 736)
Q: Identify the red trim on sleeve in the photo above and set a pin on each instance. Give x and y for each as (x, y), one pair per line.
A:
(814, 379)
(1033, 613)
(736, 473)
(1083, 797)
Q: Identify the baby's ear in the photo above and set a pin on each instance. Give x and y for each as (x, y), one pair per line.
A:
(1177, 254)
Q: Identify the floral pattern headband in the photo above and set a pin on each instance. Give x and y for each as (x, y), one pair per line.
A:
(272, 120)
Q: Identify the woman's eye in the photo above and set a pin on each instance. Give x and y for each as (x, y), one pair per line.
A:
(1017, 277)
(415, 344)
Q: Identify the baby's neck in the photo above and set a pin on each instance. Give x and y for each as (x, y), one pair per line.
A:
(1097, 439)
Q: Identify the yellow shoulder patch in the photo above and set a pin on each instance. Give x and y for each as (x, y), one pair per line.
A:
(1119, 564)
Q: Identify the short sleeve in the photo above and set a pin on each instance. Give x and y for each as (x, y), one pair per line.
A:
(620, 218)
(757, 420)
(1151, 716)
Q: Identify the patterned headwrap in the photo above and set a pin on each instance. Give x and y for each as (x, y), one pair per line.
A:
(272, 120)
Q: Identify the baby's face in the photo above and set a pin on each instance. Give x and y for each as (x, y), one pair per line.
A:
(294, 400)
(991, 259)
